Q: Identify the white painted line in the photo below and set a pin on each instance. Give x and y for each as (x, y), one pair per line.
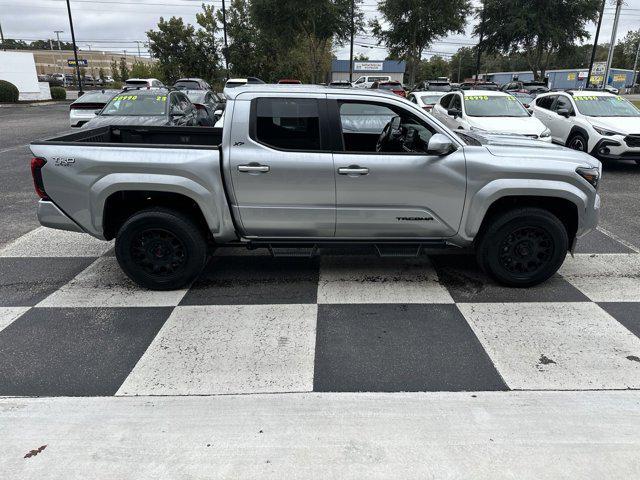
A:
(367, 279)
(229, 349)
(615, 237)
(9, 314)
(497, 436)
(103, 284)
(49, 242)
(11, 149)
(605, 277)
(556, 346)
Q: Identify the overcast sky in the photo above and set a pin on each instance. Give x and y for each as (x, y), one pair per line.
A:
(116, 25)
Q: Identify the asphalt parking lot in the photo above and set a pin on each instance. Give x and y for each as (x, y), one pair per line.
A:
(270, 350)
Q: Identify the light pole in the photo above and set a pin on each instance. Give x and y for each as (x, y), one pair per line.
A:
(75, 50)
(612, 45)
(58, 32)
(480, 43)
(595, 42)
(351, 48)
(224, 31)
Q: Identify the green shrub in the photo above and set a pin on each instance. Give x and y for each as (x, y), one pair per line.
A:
(58, 93)
(8, 92)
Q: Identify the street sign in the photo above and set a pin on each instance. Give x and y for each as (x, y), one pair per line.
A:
(83, 62)
(599, 68)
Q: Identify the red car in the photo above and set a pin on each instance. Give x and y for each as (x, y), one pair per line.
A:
(395, 87)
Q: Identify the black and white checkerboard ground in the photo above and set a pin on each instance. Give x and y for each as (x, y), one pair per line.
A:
(71, 324)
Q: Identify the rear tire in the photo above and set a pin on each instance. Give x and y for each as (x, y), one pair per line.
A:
(523, 247)
(161, 249)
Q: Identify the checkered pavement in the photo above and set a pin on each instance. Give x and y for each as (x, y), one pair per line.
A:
(71, 324)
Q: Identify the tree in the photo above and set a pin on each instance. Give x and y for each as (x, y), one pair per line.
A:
(624, 54)
(537, 29)
(316, 24)
(410, 26)
(183, 50)
(433, 68)
(361, 57)
(462, 64)
(115, 71)
(123, 70)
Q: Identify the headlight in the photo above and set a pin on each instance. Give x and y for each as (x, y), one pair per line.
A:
(605, 132)
(545, 133)
(590, 174)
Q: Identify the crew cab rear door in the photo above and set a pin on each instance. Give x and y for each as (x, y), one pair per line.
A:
(392, 194)
(280, 166)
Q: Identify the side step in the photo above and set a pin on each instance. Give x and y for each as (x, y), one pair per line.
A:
(284, 251)
(398, 250)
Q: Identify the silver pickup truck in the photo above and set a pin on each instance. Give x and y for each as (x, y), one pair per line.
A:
(298, 167)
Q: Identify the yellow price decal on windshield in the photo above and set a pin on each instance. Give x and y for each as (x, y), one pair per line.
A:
(477, 97)
(126, 97)
(588, 97)
(161, 98)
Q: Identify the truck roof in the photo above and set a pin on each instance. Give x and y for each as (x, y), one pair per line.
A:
(232, 93)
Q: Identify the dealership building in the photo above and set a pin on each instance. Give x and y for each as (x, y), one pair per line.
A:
(392, 68)
(566, 78)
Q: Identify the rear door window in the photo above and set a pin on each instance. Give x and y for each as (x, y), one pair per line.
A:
(545, 102)
(288, 123)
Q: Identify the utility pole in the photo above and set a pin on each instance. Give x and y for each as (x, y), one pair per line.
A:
(58, 32)
(224, 31)
(635, 66)
(595, 43)
(353, 26)
(2, 39)
(479, 46)
(612, 46)
(459, 64)
(138, 43)
(75, 50)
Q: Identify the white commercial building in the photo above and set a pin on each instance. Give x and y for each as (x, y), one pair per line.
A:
(19, 69)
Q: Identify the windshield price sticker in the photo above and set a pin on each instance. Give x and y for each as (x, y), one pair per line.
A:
(161, 98)
(477, 97)
(586, 98)
(126, 97)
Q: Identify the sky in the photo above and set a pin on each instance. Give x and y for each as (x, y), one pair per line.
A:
(116, 25)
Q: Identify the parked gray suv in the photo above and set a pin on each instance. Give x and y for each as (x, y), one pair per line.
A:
(297, 167)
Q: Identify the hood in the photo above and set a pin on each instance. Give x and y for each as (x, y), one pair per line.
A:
(519, 125)
(529, 148)
(625, 125)
(104, 120)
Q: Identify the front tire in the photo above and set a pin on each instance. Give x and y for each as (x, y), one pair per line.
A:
(578, 142)
(161, 249)
(523, 247)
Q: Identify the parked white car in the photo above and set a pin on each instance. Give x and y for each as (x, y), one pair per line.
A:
(488, 111)
(143, 82)
(366, 81)
(605, 125)
(86, 107)
(425, 100)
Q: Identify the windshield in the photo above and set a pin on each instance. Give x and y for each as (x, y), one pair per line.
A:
(187, 85)
(137, 105)
(605, 106)
(493, 106)
(430, 99)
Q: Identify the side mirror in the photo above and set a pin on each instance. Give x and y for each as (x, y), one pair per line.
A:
(563, 112)
(440, 144)
(454, 112)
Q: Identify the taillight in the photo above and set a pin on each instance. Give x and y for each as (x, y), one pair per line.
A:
(36, 172)
(428, 107)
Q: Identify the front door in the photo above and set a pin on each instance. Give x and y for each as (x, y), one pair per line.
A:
(281, 172)
(394, 194)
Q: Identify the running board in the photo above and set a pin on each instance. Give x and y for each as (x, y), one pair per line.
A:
(306, 251)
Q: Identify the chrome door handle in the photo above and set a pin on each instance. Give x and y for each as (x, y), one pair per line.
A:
(254, 168)
(353, 170)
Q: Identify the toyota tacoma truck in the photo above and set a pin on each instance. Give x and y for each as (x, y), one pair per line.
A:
(295, 168)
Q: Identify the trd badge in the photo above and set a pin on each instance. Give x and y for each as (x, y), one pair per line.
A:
(63, 162)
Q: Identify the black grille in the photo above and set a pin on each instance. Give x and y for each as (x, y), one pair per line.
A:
(633, 140)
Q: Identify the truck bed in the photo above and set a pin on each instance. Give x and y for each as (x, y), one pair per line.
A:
(141, 136)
